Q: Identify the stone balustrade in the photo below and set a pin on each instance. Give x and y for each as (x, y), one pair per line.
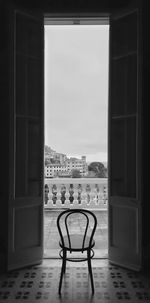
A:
(91, 193)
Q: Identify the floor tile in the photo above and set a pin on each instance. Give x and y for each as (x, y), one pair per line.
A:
(40, 284)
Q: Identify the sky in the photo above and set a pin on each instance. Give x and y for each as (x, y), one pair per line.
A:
(76, 90)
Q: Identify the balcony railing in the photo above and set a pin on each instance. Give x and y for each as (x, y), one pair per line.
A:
(91, 193)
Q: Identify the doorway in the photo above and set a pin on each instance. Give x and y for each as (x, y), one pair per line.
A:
(25, 203)
(76, 109)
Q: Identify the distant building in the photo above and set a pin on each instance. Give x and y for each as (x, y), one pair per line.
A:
(53, 156)
(53, 170)
(61, 166)
(60, 157)
(80, 164)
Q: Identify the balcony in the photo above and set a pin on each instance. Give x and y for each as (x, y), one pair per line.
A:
(89, 193)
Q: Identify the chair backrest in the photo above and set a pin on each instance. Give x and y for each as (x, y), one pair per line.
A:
(64, 226)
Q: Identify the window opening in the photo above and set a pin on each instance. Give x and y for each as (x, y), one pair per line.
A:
(76, 109)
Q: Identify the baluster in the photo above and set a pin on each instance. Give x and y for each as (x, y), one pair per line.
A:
(71, 191)
(79, 194)
(54, 193)
(100, 195)
(104, 195)
(98, 198)
(96, 194)
(92, 195)
(83, 195)
(63, 191)
(50, 201)
(46, 194)
(75, 195)
(88, 189)
(67, 194)
(59, 202)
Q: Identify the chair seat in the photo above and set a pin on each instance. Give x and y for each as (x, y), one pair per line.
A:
(76, 242)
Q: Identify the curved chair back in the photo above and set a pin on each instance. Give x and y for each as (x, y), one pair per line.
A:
(89, 224)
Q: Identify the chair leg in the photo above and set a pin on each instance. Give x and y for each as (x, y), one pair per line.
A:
(60, 281)
(63, 269)
(64, 261)
(90, 269)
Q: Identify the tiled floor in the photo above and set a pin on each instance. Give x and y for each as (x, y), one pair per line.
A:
(40, 284)
(51, 236)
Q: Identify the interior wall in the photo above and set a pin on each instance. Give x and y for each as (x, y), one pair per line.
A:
(145, 134)
(4, 135)
(58, 7)
(66, 6)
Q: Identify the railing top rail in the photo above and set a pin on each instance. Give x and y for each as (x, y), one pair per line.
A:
(75, 180)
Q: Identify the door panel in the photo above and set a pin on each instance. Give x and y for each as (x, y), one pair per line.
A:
(28, 237)
(124, 241)
(124, 33)
(124, 85)
(28, 97)
(125, 142)
(27, 34)
(27, 141)
(123, 158)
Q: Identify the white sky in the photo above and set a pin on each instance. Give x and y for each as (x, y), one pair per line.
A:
(76, 90)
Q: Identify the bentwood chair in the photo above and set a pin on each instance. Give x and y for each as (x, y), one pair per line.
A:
(71, 241)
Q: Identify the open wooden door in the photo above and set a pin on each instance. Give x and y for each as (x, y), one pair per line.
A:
(25, 217)
(125, 207)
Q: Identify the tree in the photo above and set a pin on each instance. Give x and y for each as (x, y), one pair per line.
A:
(47, 161)
(75, 173)
(47, 149)
(98, 168)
